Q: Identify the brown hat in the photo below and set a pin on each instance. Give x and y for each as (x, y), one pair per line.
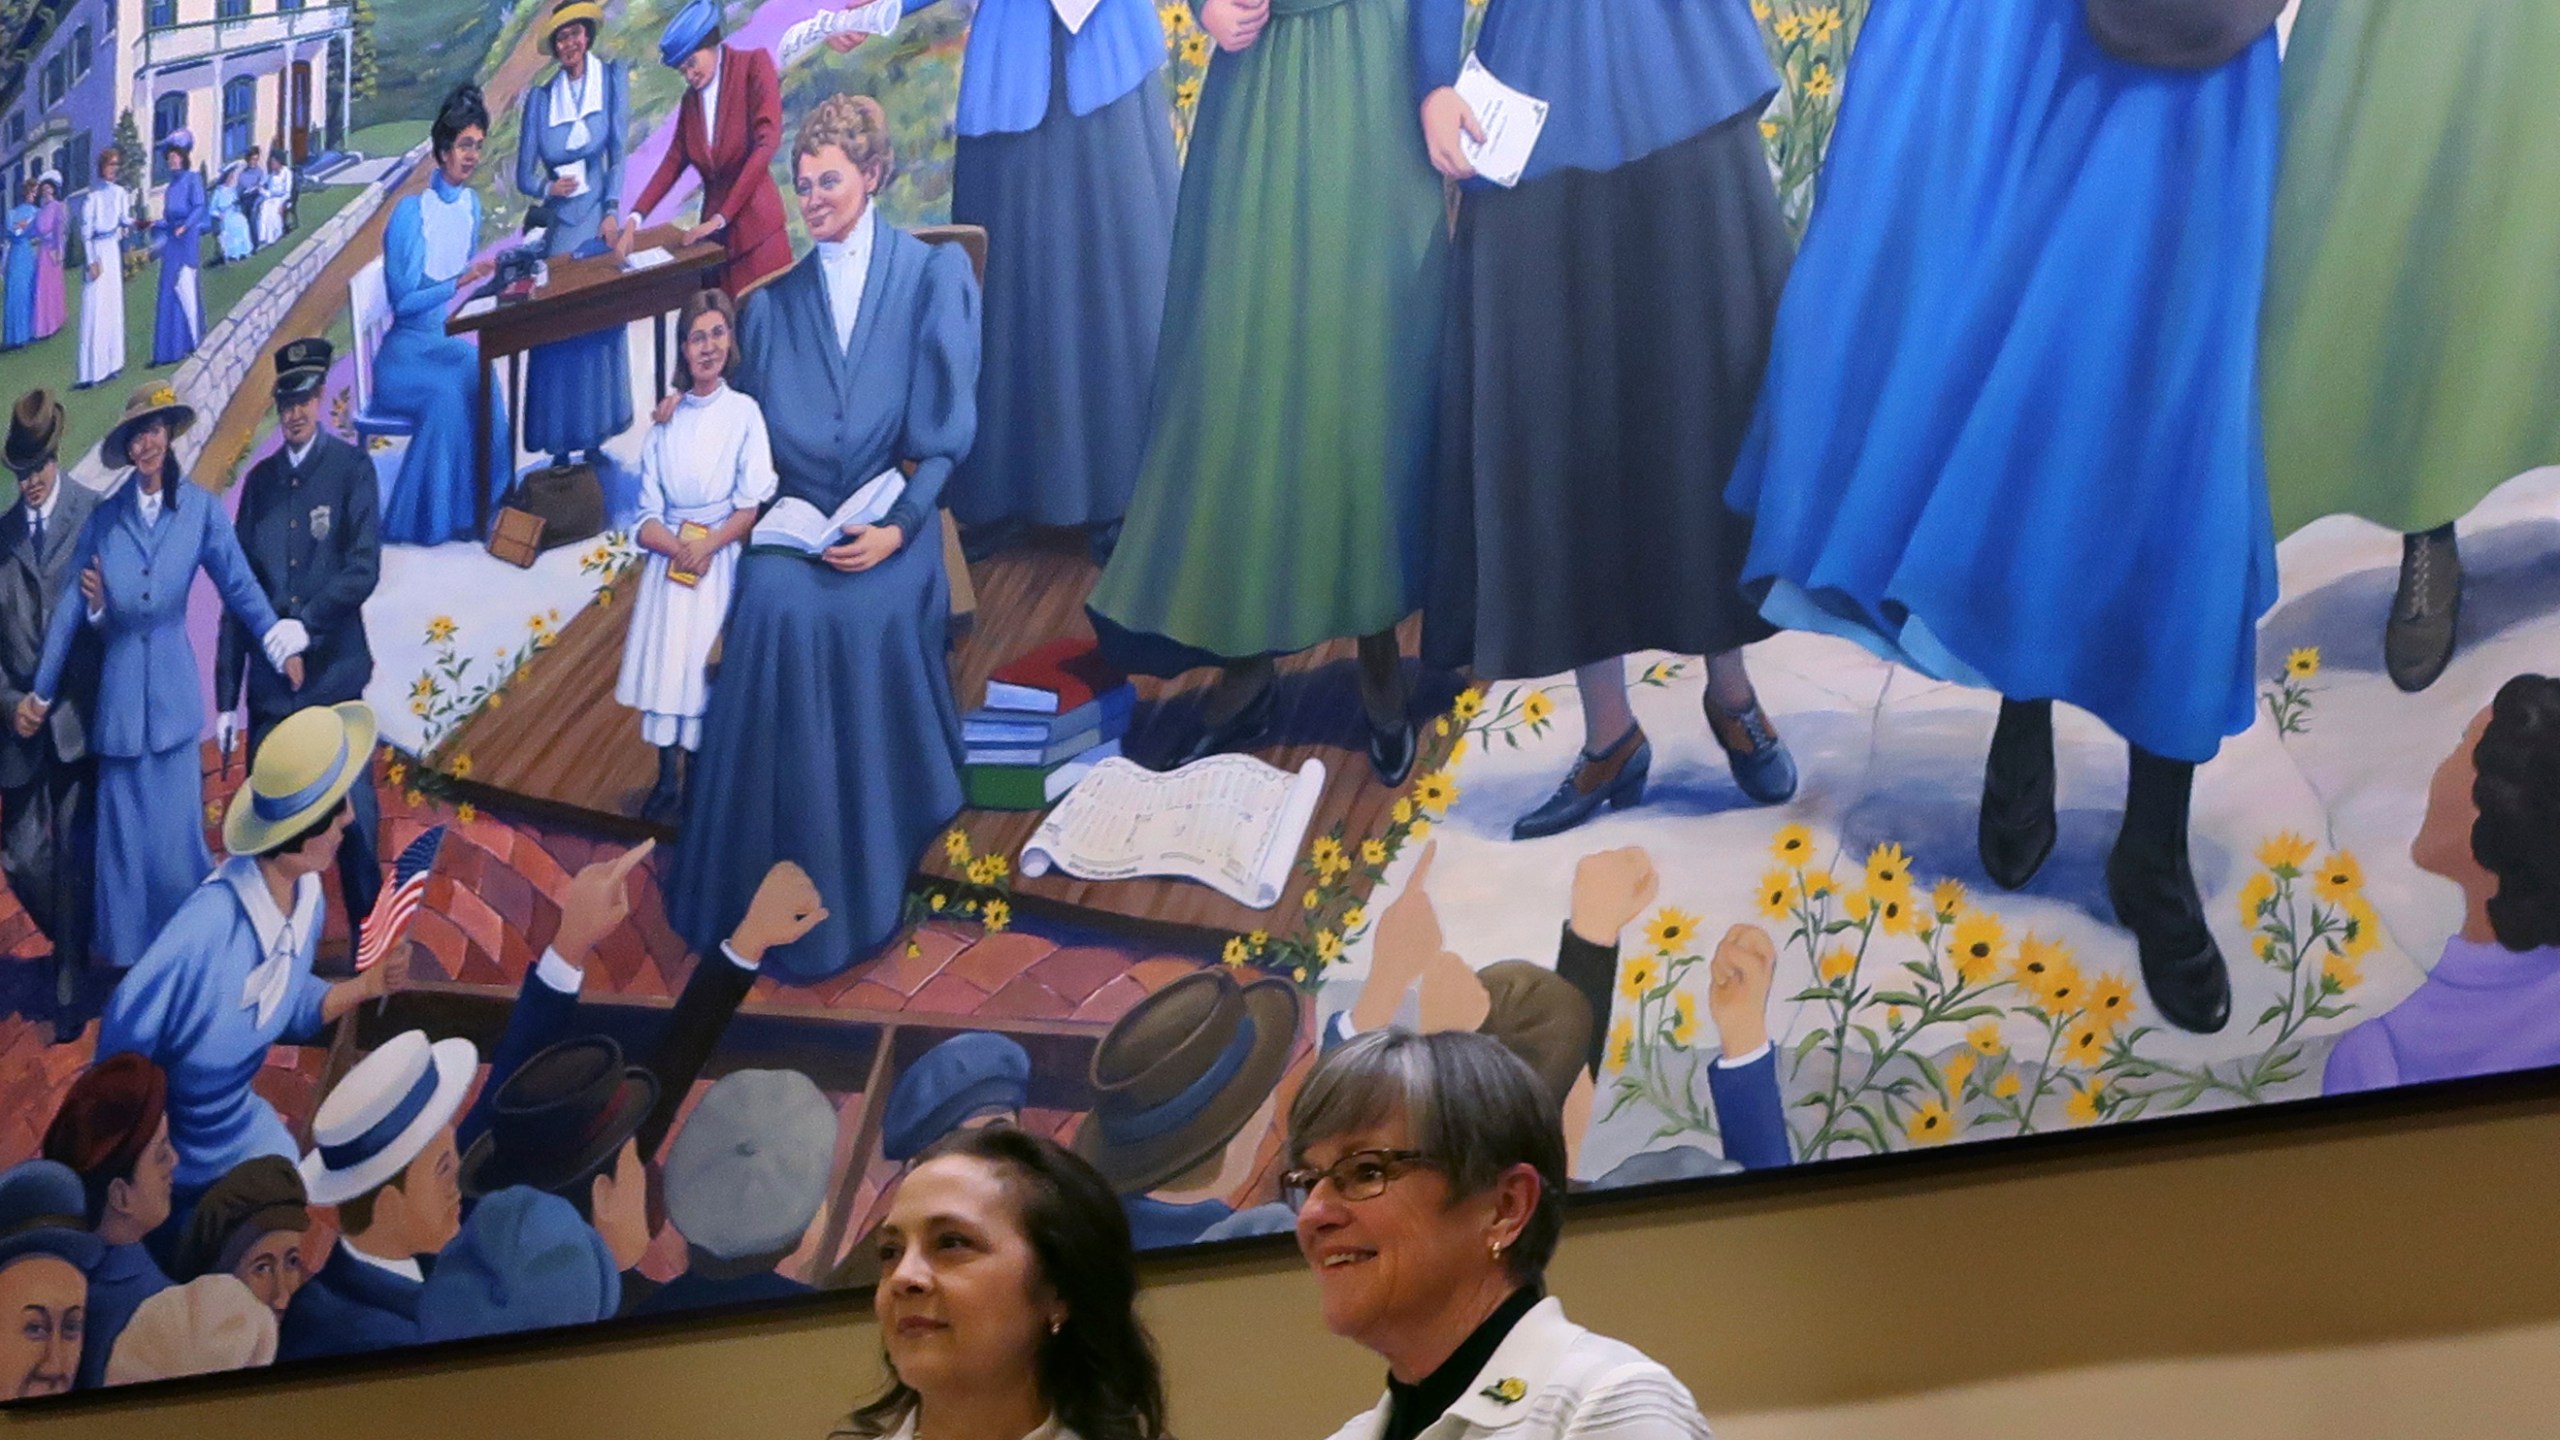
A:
(155, 401)
(35, 432)
(260, 1196)
(1181, 1073)
(1539, 1016)
(108, 1118)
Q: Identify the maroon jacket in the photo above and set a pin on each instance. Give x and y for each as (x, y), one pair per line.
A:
(737, 173)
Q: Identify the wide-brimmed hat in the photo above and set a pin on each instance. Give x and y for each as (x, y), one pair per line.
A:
(559, 1117)
(43, 1211)
(963, 1076)
(51, 177)
(35, 432)
(1179, 1075)
(304, 768)
(302, 367)
(181, 138)
(155, 401)
(692, 28)
(570, 12)
(749, 1169)
(383, 1113)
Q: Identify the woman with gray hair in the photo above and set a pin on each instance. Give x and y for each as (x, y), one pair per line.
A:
(1429, 1184)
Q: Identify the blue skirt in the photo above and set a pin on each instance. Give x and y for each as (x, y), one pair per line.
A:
(2009, 434)
(832, 741)
(577, 393)
(425, 377)
(151, 850)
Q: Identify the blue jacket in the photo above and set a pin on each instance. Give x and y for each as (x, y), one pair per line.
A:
(314, 540)
(1004, 74)
(149, 699)
(347, 1309)
(123, 1278)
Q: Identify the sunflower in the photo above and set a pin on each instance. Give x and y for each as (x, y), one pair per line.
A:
(1896, 915)
(1536, 709)
(1638, 976)
(1956, 1069)
(1930, 1124)
(2285, 851)
(1856, 904)
(955, 846)
(441, 630)
(2342, 972)
(1373, 851)
(1236, 952)
(1985, 1038)
(2364, 929)
(1354, 918)
(1670, 929)
(1889, 870)
(2083, 1107)
(997, 915)
(1468, 705)
(1435, 792)
(2006, 1087)
(1837, 964)
(1684, 1020)
(2302, 664)
(460, 769)
(1976, 950)
(1817, 884)
(2085, 1043)
(1622, 1044)
(1794, 845)
(1328, 946)
(1327, 857)
(1947, 898)
(1777, 895)
(465, 813)
(1402, 814)
(2110, 1002)
(2256, 894)
(2338, 877)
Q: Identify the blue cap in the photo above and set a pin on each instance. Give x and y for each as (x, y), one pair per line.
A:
(524, 1261)
(685, 33)
(954, 1080)
(42, 1212)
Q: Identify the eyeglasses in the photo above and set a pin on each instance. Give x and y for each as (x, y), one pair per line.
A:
(1360, 1175)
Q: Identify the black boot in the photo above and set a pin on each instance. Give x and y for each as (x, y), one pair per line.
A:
(666, 798)
(2154, 893)
(2417, 642)
(1384, 700)
(2016, 829)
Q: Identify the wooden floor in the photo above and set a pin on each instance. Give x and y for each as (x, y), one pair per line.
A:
(560, 746)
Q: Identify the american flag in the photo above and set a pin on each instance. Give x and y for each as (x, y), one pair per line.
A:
(390, 917)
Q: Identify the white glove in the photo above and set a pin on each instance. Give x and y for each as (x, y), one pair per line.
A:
(284, 640)
(226, 729)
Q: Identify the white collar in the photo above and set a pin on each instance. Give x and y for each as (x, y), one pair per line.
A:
(1049, 1429)
(694, 401)
(710, 98)
(855, 247)
(52, 502)
(1529, 1355)
(408, 1269)
(295, 456)
(279, 936)
(151, 501)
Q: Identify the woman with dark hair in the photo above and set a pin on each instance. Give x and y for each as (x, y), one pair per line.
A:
(1429, 1175)
(704, 469)
(2492, 1002)
(421, 374)
(185, 210)
(1007, 1301)
(577, 392)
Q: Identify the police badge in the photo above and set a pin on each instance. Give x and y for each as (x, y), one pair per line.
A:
(319, 522)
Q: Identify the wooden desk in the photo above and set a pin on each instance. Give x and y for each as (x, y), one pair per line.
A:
(583, 296)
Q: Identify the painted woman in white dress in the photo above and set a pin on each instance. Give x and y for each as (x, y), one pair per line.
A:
(704, 470)
(105, 214)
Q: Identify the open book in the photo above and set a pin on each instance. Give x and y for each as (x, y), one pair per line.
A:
(1230, 822)
(795, 524)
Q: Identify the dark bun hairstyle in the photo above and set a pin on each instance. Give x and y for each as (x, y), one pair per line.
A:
(2517, 837)
(462, 109)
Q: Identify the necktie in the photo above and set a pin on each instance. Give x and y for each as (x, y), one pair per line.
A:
(35, 529)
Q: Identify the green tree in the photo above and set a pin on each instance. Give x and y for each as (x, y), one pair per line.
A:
(364, 71)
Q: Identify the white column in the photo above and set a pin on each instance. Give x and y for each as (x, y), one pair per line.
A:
(346, 77)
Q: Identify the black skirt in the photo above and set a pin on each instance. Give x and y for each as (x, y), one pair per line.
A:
(1608, 331)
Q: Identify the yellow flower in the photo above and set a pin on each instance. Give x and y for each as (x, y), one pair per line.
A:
(1186, 94)
(1671, 929)
(2304, 663)
(1469, 704)
(1373, 852)
(1794, 845)
(1777, 894)
(1930, 1124)
(2338, 877)
(997, 915)
(2285, 851)
(1421, 827)
(1536, 709)
(1435, 792)
(1457, 752)
(2006, 1087)
(955, 846)
(1310, 899)
(1684, 1020)
(1984, 1037)
(1326, 855)
(465, 813)
(1895, 914)
(396, 774)
(1403, 811)
(1957, 1069)
(422, 688)
(1236, 954)
(1948, 898)
(1788, 28)
(1821, 84)
(1328, 946)
(914, 949)
(1768, 128)
(461, 767)
(1760, 10)
(1638, 976)
(2364, 929)
(1837, 964)
(1816, 884)
(441, 630)
(2110, 1002)
(938, 901)
(998, 867)
(1893, 1017)
(977, 871)
(1195, 48)
(1824, 23)
(1259, 939)
(2085, 1043)
(496, 699)
(2342, 971)
(1176, 17)
(2047, 974)
(1889, 870)
(1354, 918)
(1976, 950)
(1622, 1044)
(2256, 894)
(2083, 1106)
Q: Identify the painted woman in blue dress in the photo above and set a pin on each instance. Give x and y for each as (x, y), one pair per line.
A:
(185, 211)
(137, 557)
(2010, 430)
(421, 374)
(832, 738)
(18, 311)
(577, 392)
(1065, 155)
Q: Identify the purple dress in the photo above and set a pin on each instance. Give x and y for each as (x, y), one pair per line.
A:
(52, 221)
(2484, 1010)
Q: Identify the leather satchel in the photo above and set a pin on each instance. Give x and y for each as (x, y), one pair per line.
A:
(516, 537)
(2180, 34)
(568, 498)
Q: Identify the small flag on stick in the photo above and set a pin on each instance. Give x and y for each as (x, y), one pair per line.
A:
(390, 918)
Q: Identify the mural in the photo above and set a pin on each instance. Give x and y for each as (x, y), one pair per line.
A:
(616, 613)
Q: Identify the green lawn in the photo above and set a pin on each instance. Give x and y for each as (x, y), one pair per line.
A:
(53, 361)
(392, 137)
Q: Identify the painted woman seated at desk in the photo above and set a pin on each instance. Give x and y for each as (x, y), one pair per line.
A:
(832, 738)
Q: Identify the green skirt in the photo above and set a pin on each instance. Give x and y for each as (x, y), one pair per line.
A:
(2412, 333)
(1280, 504)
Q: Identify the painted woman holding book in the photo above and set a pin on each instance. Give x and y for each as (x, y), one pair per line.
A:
(704, 469)
(1282, 499)
(1609, 320)
(832, 739)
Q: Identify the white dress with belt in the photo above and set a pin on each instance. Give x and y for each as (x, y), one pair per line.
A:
(710, 460)
(103, 217)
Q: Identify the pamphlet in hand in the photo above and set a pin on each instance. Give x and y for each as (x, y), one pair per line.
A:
(878, 17)
(649, 259)
(575, 172)
(1511, 122)
(796, 525)
(1073, 13)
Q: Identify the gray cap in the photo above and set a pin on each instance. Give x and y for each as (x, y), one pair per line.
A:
(748, 1171)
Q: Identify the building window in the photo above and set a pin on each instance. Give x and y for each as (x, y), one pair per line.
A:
(17, 130)
(74, 162)
(57, 79)
(168, 116)
(161, 15)
(239, 117)
(231, 9)
(287, 7)
(83, 43)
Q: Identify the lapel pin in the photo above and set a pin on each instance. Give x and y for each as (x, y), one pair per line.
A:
(1506, 1391)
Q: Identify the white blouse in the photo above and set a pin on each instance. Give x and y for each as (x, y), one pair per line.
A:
(452, 231)
(711, 458)
(1550, 1379)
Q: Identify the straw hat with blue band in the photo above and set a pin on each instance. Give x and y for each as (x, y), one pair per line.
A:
(570, 12)
(155, 401)
(1182, 1072)
(383, 1113)
(694, 27)
(307, 765)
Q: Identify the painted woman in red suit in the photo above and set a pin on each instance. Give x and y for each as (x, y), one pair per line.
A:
(727, 130)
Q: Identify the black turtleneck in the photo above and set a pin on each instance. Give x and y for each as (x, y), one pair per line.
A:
(1412, 1408)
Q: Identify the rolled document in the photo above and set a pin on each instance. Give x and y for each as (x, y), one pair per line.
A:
(879, 17)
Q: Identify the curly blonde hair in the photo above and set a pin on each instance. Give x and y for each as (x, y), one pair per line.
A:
(856, 125)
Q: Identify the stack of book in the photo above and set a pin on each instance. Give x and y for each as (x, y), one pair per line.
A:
(1050, 717)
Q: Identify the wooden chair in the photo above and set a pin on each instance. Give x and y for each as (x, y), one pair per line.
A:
(964, 593)
(370, 301)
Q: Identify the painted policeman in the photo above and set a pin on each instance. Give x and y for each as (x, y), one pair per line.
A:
(308, 523)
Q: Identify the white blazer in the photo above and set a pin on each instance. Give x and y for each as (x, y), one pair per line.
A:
(1570, 1384)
